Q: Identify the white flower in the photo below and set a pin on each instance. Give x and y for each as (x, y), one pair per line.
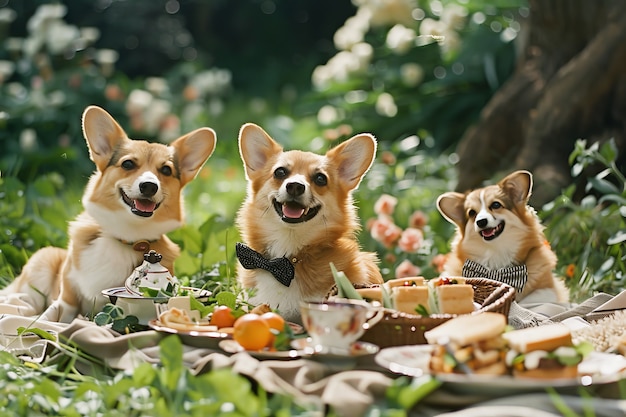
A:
(412, 74)
(327, 115)
(138, 101)
(400, 39)
(157, 85)
(454, 16)
(364, 52)
(90, 34)
(212, 82)
(432, 27)
(6, 70)
(7, 15)
(390, 12)
(107, 56)
(28, 140)
(60, 36)
(386, 105)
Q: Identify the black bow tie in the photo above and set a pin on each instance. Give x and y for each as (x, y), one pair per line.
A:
(282, 268)
(515, 276)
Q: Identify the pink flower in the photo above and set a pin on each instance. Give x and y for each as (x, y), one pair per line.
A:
(385, 204)
(418, 219)
(411, 240)
(407, 269)
(385, 231)
(439, 262)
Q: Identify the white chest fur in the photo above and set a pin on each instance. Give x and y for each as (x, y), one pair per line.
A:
(105, 263)
(285, 299)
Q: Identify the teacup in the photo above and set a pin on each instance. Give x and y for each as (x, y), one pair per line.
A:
(337, 324)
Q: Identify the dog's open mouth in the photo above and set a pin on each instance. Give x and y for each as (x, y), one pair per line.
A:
(491, 233)
(292, 212)
(140, 206)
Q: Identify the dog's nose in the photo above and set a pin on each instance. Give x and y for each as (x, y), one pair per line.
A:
(481, 223)
(295, 189)
(148, 189)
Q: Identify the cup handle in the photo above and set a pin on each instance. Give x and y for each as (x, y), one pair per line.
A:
(378, 313)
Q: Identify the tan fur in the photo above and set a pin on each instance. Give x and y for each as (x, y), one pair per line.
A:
(100, 253)
(328, 237)
(522, 240)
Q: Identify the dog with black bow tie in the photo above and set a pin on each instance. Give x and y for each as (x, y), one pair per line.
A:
(298, 218)
(499, 236)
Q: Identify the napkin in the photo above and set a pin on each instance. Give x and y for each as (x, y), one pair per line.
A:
(614, 304)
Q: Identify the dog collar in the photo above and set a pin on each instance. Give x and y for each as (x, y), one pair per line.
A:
(515, 276)
(282, 268)
(142, 245)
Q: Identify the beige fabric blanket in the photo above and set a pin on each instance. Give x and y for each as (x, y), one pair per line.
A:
(349, 392)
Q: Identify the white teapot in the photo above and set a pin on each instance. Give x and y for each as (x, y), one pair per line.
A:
(150, 274)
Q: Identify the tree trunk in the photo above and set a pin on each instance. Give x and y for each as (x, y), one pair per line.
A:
(569, 84)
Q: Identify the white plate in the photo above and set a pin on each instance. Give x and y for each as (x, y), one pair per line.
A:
(358, 349)
(597, 369)
(230, 346)
(411, 360)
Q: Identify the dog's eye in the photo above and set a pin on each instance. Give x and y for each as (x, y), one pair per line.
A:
(280, 173)
(495, 205)
(128, 165)
(320, 179)
(471, 213)
(166, 170)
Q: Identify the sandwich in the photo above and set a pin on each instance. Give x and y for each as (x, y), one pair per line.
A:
(371, 294)
(408, 299)
(405, 282)
(452, 296)
(470, 343)
(545, 351)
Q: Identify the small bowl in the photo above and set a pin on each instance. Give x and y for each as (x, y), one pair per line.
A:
(141, 307)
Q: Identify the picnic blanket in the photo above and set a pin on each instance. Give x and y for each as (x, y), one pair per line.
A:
(349, 392)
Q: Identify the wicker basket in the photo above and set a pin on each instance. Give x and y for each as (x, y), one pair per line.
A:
(396, 328)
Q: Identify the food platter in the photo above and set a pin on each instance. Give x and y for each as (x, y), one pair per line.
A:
(201, 339)
(597, 369)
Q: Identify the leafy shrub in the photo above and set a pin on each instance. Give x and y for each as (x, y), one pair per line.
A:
(588, 236)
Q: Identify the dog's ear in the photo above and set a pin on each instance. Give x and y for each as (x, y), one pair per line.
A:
(353, 158)
(451, 205)
(192, 151)
(518, 186)
(103, 135)
(255, 148)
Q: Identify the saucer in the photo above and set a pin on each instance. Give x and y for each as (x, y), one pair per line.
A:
(356, 350)
(231, 346)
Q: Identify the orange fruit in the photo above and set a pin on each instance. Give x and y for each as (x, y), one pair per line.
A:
(222, 317)
(275, 320)
(252, 332)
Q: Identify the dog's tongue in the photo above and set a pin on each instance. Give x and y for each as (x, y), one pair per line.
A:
(292, 211)
(488, 232)
(147, 206)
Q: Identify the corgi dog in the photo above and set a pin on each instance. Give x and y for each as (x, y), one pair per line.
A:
(299, 215)
(496, 229)
(131, 201)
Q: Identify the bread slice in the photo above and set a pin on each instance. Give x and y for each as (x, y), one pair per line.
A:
(406, 299)
(546, 337)
(371, 294)
(565, 372)
(455, 298)
(408, 281)
(468, 328)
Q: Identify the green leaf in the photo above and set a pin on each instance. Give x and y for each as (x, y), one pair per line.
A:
(43, 334)
(419, 388)
(226, 298)
(603, 186)
(171, 350)
(345, 289)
